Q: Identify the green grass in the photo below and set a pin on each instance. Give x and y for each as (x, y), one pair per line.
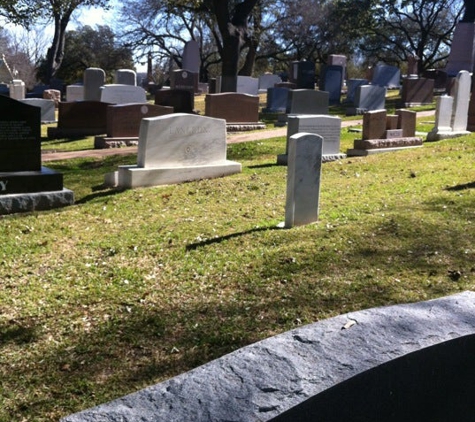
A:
(127, 288)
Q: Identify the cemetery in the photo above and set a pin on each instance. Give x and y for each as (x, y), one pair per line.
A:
(296, 248)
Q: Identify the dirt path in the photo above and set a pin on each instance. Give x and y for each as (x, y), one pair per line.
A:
(231, 139)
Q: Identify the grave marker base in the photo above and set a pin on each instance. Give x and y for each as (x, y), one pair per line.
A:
(133, 176)
(365, 152)
(38, 201)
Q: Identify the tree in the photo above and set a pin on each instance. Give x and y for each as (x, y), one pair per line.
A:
(222, 26)
(88, 47)
(392, 30)
(25, 12)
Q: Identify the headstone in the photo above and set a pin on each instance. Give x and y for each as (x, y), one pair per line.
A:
(191, 57)
(94, 79)
(178, 148)
(20, 136)
(123, 94)
(80, 118)
(461, 96)
(74, 93)
(462, 50)
(52, 94)
(368, 98)
(407, 122)
(352, 85)
(182, 100)
(184, 79)
(331, 81)
(24, 184)
(417, 91)
(374, 124)
(303, 179)
(308, 101)
(338, 60)
(329, 127)
(386, 133)
(392, 121)
(412, 66)
(303, 74)
(17, 89)
(125, 77)
(247, 85)
(123, 123)
(276, 100)
(443, 118)
(47, 108)
(386, 76)
(440, 78)
(268, 81)
(233, 107)
(391, 363)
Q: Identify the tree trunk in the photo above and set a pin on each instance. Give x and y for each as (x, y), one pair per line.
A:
(234, 34)
(55, 53)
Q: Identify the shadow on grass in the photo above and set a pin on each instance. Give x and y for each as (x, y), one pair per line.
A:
(219, 239)
(99, 193)
(470, 185)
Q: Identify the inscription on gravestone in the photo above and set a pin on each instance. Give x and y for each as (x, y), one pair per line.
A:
(20, 142)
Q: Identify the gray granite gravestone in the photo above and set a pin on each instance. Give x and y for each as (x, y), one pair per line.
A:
(263, 381)
(94, 79)
(191, 57)
(368, 98)
(125, 77)
(328, 127)
(307, 101)
(331, 81)
(386, 76)
(46, 106)
(276, 100)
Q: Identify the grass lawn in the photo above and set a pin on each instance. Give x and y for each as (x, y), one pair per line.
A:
(127, 288)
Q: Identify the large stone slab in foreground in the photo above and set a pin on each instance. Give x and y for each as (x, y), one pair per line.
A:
(262, 381)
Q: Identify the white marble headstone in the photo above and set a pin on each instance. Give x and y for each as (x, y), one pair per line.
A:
(461, 96)
(180, 140)
(74, 93)
(123, 94)
(177, 148)
(303, 179)
(268, 81)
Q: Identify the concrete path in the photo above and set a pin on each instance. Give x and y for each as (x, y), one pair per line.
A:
(231, 139)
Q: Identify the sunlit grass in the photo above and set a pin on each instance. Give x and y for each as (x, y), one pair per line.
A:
(127, 288)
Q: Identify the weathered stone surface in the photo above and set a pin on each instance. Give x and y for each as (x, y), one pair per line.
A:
(386, 143)
(261, 381)
(40, 201)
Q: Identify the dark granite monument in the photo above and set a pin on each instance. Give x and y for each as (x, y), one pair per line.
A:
(24, 184)
(182, 100)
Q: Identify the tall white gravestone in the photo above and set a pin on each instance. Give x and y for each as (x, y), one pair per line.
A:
(303, 179)
(452, 111)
